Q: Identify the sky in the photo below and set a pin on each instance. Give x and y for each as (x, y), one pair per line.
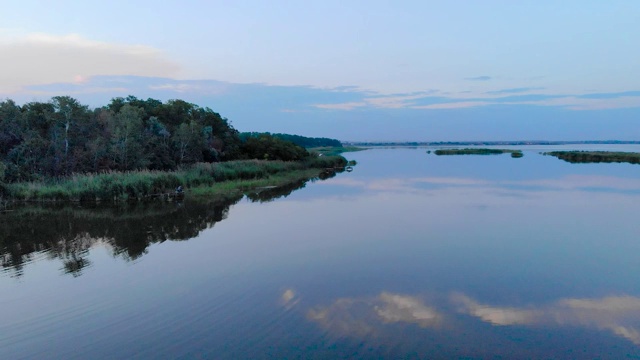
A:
(353, 70)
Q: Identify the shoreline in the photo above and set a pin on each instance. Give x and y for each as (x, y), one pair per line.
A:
(201, 179)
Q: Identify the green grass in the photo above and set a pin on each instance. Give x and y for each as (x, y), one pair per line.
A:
(334, 150)
(201, 178)
(234, 187)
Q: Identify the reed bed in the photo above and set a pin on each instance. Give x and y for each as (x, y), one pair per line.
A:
(135, 185)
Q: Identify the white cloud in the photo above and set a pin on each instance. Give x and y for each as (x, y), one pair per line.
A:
(35, 59)
(342, 106)
(453, 105)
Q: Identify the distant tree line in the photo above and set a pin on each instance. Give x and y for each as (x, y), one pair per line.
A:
(307, 142)
(41, 140)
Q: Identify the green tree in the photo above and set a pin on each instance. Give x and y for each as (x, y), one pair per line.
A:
(189, 141)
(126, 133)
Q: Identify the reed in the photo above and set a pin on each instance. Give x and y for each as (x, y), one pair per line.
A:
(136, 185)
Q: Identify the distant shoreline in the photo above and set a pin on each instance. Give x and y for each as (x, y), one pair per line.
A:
(488, 143)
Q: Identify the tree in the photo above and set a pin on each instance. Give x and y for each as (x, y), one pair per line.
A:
(189, 140)
(268, 147)
(126, 132)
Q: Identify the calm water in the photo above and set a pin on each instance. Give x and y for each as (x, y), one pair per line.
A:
(410, 255)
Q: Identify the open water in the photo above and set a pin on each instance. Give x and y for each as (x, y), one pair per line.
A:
(411, 255)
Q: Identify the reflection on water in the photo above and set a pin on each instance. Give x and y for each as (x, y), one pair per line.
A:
(409, 256)
(67, 232)
(363, 317)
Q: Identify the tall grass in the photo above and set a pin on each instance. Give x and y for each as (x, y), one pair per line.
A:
(135, 185)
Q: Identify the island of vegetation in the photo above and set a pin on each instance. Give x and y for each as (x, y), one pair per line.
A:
(596, 156)
(134, 149)
(479, 151)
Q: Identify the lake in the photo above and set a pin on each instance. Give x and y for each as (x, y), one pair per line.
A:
(411, 255)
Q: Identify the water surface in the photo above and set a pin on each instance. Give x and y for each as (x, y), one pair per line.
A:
(410, 255)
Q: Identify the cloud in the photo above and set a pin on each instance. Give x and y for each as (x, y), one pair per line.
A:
(452, 105)
(352, 114)
(44, 58)
(341, 106)
(293, 98)
(613, 95)
(479, 78)
(582, 103)
(514, 90)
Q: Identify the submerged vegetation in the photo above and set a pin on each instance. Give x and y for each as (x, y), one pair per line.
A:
(133, 149)
(596, 156)
(479, 151)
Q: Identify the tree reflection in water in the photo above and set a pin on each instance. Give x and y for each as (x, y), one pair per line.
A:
(68, 231)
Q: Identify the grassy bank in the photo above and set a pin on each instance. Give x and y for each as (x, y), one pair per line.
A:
(479, 151)
(199, 179)
(236, 187)
(596, 156)
(335, 150)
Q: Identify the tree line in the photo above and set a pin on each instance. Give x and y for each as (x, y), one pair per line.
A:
(61, 137)
(307, 142)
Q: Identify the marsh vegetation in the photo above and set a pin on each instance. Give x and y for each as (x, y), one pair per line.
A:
(596, 156)
(132, 149)
(479, 151)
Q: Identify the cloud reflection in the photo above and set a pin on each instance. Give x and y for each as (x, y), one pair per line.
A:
(618, 314)
(289, 298)
(404, 308)
(495, 315)
(367, 316)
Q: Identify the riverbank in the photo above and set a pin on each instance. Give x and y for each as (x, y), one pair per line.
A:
(210, 179)
(335, 150)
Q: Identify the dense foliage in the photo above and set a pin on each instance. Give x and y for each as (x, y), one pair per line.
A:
(307, 142)
(55, 139)
(596, 156)
(269, 147)
(61, 137)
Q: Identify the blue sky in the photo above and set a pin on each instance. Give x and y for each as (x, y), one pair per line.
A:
(355, 70)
